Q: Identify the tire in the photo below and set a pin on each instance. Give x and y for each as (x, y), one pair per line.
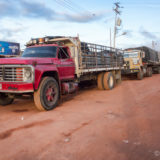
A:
(5, 99)
(47, 95)
(119, 81)
(149, 72)
(108, 81)
(100, 81)
(140, 75)
(158, 70)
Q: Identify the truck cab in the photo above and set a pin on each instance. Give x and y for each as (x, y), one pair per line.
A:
(133, 62)
(44, 70)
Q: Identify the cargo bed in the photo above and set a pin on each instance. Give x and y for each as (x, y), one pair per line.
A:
(90, 57)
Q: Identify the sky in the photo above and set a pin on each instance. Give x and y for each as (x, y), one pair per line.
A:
(92, 20)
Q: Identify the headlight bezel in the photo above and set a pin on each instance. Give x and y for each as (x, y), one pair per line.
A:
(28, 74)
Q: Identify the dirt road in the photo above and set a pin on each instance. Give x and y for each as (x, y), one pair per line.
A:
(122, 124)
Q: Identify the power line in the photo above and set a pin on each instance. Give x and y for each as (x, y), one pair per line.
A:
(64, 5)
(73, 4)
(73, 7)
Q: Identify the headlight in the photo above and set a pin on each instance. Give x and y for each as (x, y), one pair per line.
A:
(27, 75)
(34, 41)
(46, 40)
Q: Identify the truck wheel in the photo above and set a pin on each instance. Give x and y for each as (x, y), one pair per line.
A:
(149, 72)
(119, 80)
(100, 81)
(108, 81)
(46, 97)
(158, 70)
(140, 75)
(5, 99)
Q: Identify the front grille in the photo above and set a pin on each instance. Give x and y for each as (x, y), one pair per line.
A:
(11, 73)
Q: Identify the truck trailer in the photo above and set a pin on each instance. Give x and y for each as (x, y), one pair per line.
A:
(9, 49)
(141, 61)
(52, 66)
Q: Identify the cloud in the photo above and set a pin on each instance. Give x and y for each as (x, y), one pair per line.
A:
(147, 34)
(11, 32)
(82, 18)
(128, 33)
(34, 10)
(24, 8)
(7, 9)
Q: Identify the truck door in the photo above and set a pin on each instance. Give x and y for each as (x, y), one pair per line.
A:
(66, 66)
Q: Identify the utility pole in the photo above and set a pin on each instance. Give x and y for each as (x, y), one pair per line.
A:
(117, 12)
(110, 38)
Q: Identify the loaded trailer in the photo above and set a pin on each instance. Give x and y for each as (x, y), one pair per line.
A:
(53, 66)
(141, 61)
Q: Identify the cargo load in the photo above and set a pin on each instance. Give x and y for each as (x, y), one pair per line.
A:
(151, 56)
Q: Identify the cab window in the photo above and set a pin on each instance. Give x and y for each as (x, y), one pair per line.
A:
(63, 53)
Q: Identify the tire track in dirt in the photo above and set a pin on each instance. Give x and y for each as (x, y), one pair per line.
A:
(68, 134)
(8, 133)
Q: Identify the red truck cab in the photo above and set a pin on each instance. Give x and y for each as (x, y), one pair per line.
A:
(43, 70)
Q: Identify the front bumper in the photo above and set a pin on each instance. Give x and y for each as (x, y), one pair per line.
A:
(130, 71)
(10, 87)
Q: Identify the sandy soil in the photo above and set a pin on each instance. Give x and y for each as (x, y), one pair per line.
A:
(121, 124)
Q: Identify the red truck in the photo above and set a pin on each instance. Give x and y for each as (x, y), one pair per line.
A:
(52, 66)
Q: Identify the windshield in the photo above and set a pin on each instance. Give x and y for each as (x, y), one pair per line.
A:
(45, 51)
(130, 54)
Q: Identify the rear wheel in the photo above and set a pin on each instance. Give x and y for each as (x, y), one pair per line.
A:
(100, 81)
(140, 75)
(5, 99)
(158, 70)
(149, 72)
(46, 97)
(108, 81)
(119, 80)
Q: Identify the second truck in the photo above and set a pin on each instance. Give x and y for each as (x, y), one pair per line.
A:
(141, 61)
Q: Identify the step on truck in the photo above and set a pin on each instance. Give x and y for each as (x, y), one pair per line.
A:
(53, 66)
(141, 61)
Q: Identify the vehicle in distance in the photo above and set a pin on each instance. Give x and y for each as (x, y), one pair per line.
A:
(141, 61)
(9, 49)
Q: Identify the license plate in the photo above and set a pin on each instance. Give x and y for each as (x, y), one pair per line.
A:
(0, 86)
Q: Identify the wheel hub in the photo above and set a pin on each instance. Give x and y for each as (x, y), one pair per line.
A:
(111, 81)
(50, 93)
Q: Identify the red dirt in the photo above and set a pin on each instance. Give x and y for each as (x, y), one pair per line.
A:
(121, 124)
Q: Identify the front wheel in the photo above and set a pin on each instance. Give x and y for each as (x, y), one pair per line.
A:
(140, 75)
(5, 99)
(47, 96)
